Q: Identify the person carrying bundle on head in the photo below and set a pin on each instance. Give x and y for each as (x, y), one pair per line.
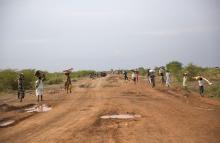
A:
(39, 85)
(152, 77)
(68, 83)
(21, 91)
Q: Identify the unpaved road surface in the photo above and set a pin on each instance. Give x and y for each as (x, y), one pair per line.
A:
(166, 115)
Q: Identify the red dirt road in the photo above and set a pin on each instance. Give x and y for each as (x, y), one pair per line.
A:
(166, 115)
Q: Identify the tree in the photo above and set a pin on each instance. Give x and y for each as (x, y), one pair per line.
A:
(174, 67)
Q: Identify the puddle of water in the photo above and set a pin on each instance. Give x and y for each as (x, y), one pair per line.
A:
(38, 108)
(121, 116)
(6, 123)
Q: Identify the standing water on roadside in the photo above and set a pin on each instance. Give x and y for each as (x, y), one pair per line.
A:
(39, 108)
(120, 116)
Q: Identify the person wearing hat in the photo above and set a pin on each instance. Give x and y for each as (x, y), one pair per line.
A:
(21, 91)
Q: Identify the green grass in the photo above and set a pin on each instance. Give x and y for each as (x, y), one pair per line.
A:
(8, 78)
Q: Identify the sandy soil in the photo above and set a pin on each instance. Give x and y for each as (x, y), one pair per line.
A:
(167, 115)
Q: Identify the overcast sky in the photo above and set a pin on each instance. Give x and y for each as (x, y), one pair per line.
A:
(103, 34)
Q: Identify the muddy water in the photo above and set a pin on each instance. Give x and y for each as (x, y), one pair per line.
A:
(120, 116)
(39, 108)
(6, 123)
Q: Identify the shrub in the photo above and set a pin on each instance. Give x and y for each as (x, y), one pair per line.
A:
(214, 90)
(8, 79)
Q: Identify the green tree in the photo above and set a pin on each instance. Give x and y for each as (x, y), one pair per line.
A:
(174, 67)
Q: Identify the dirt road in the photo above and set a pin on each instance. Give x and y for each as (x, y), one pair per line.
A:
(166, 115)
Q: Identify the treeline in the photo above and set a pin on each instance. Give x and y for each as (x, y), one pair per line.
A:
(8, 78)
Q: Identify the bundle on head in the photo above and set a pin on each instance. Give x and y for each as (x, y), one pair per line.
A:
(68, 71)
(39, 73)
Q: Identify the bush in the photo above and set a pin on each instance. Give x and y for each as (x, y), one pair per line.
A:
(8, 79)
(142, 71)
(29, 78)
(214, 90)
(54, 78)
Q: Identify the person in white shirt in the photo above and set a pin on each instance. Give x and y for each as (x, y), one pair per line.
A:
(201, 84)
(185, 76)
(39, 88)
(161, 73)
(133, 76)
(168, 80)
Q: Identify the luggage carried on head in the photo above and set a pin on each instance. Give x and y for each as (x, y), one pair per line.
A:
(39, 73)
(68, 71)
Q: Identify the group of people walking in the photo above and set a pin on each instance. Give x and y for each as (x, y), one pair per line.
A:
(165, 78)
(39, 85)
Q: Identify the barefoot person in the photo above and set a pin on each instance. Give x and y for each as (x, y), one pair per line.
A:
(21, 91)
(39, 85)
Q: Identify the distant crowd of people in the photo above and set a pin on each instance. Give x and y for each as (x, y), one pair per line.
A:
(165, 78)
(164, 74)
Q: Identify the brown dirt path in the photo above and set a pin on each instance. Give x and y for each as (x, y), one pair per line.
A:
(166, 116)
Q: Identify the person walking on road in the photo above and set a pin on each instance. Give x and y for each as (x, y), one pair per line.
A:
(125, 75)
(162, 74)
(185, 77)
(152, 77)
(137, 75)
(201, 82)
(39, 85)
(21, 91)
(133, 76)
(168, 80)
